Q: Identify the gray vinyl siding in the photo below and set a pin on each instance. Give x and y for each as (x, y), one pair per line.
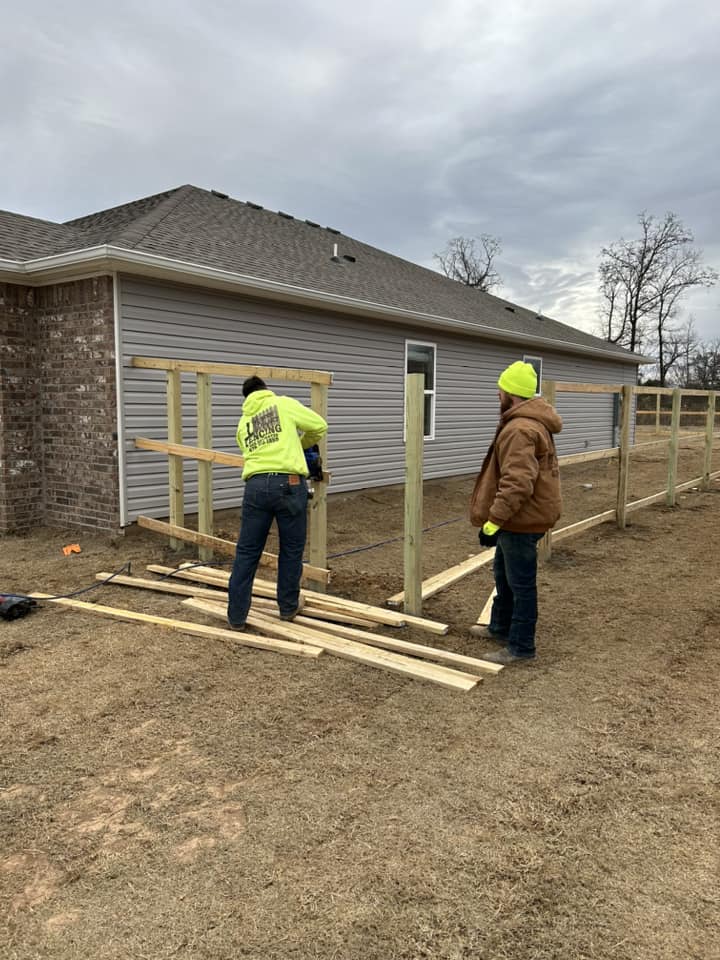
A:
(366, 399)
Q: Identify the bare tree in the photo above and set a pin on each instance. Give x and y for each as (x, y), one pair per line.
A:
(682, 343)
(643, 282)
(471, 261)
(706, 366)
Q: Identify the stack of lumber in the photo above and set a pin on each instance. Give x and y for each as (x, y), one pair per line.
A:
(326, 624)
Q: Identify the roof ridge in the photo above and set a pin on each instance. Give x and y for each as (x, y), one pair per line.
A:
(135, 232)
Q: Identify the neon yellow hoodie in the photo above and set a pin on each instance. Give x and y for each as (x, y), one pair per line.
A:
(268, 434)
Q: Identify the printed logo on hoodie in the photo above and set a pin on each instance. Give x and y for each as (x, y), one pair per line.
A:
(262, 429)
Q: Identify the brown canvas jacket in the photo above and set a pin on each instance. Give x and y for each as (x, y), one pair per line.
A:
(518, 486)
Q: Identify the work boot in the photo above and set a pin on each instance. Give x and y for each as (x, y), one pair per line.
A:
(290, 616)
(505, 658)
(482, 632)
(237, 627)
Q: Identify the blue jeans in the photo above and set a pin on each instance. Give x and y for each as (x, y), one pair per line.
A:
(268, 497)
(515, 608)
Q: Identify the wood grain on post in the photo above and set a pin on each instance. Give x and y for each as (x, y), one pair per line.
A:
(674, 445)
(175, 464)
(549, 393)
(318, 505)
(624, 457)
(414, 436)
(709, 429)
(204, 467)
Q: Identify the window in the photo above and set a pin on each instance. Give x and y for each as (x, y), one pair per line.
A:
(536, 362)
(420, 358)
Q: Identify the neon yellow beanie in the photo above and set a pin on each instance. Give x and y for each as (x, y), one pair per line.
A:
(519, 379)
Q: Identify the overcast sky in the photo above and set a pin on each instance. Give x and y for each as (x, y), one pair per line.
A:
(550, 124)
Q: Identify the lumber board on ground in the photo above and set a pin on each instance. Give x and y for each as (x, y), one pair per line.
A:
(484, 617)
(459, 660)
(224, 547)
(184, 626)
(234, 370)
(264, 603)
(350, 650)
(329, 602)
(435, 584)
(161, 586)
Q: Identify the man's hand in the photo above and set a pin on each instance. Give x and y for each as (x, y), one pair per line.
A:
(488, 534)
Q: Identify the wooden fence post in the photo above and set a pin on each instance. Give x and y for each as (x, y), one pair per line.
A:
(205, 486)
(624, 455)
(175, 464)
(674, 446)
(657, 413)
(414, 436)
(317, 554)
(549, 393)
(709, 430)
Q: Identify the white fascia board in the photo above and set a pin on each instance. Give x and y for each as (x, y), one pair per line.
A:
(107, 257)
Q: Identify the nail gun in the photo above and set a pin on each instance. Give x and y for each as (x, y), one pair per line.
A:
(314, 465)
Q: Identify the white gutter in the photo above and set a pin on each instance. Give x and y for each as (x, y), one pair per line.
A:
(119, 406)
(45, 270)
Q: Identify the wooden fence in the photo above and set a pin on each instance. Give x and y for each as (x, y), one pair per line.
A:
(205, 456)
(415, 590)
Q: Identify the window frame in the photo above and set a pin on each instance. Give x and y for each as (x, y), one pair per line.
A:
(432, 393)
(527, 358)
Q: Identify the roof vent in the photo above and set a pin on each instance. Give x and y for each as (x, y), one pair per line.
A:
(511, 309)
(222, 196)
(335, 258)
(254, 206)
(346, 256)
(311, 223)
(539, 316)
(288, 216)
(332, 230)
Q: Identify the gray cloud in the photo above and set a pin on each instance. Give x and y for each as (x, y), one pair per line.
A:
(403, 124)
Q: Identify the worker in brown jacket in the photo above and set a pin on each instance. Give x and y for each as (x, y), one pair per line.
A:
(515, 501)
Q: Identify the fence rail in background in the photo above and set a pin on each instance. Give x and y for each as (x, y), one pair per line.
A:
(622, 508)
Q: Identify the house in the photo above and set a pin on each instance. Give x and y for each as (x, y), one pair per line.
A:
(193, 274)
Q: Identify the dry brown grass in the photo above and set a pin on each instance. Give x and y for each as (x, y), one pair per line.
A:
(168, 797)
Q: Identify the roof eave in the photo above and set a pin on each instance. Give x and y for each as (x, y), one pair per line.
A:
(72, 264)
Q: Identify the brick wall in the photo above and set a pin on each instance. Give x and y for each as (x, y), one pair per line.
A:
(64, 415)
(20, 447)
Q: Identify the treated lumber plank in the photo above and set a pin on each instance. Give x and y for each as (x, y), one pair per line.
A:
(161, 586)
(586, 524)
(563, 386)
(183, 626)
(471, 664)
(349, 650)
(190, 453)
(175, 464)
(674, 447)
(317, 517)
(624, 458)
(484, 617)
(327, 601)
(607, 454)
(234, 370)
(708, 451)
(413, 498)
(438, 582)
(224, 547)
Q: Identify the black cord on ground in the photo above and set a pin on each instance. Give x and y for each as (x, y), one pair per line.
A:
(75, 593)
(383, 543)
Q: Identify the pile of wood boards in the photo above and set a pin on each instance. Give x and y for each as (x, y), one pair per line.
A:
(326, 624)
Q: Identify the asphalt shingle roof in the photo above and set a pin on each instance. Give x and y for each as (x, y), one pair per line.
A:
(206, 228)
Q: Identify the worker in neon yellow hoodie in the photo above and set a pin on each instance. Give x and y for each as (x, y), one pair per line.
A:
(273, 433)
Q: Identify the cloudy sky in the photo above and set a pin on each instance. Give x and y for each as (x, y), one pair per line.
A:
(550, 124)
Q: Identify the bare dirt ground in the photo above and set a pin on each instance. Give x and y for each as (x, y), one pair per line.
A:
(164, 796)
